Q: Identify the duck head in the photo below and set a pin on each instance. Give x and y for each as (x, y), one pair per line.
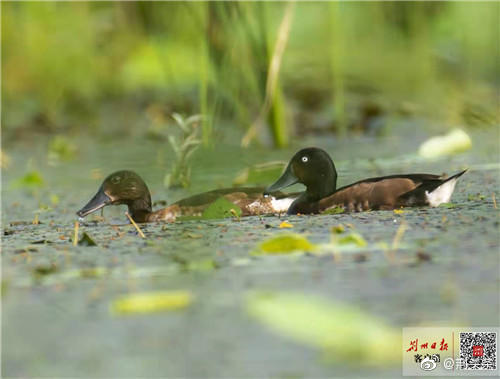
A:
(313, 168)
(121, 187)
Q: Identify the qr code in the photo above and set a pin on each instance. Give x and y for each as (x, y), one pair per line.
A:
(478, 351)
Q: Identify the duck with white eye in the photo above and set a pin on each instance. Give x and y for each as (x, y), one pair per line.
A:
(314, 168)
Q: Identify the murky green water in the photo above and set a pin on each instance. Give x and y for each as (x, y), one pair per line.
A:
(56, 297)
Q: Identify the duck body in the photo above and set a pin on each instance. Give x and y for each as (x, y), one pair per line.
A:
(126, 187)
(314, 168)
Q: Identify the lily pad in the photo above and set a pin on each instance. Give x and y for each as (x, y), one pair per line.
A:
(285, 244)
(342, 332)
(148, 302)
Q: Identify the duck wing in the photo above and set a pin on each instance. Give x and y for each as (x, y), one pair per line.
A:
(389, 192)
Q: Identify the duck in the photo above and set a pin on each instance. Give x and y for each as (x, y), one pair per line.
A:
(127, 187)
(314, 168)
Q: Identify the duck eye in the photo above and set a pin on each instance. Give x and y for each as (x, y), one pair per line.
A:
(305, 159)
(115, 179)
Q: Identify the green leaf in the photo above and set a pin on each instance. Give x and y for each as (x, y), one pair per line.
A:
(86, 240)
(148, 302)
(447, 205)
(32, 179)
(352, 238)
(221, 208)
(285, 244)
(342, 332)
(334, 211)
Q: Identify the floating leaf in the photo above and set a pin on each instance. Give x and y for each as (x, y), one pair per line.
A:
(148, 302)
(86, 240)
(342, 332)
(399, 211)
(333, 211)
(31, 180)
(45, 269)
(352, 238)
(447, 205)
(285, 244)
(221, 208)
(454, 142)
(285, 224)
(338, 229)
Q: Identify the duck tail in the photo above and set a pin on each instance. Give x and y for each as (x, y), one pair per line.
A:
(442, 193)
(456, 176)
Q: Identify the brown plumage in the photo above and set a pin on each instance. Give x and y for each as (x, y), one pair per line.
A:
(126, 187)
(314, 168)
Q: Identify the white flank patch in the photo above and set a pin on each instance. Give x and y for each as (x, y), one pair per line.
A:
(442, 194)
(281, 205)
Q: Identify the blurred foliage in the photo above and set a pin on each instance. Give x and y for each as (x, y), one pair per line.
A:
(183, 146)
(285, 244)
(149, 302)
(30, 181)
(259, 174)
(342, 332)
(95, 67)
(61, 149)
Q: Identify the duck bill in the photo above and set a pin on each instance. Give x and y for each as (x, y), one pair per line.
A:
(99, 201)
(287, 179)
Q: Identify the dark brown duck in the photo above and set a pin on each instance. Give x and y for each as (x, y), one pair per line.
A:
(126, 187)
(315, 169)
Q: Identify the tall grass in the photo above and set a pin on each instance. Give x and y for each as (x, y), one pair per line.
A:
(64, 62)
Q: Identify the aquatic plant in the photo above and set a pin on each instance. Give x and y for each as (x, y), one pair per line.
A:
(183, 146)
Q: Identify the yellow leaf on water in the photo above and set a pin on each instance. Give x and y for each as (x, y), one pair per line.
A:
(338, 229)
(399, 211)
(343, 332)
(284, 244)
(285, 224)
(148, 302)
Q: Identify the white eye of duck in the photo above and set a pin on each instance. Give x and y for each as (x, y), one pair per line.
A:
(305, 159)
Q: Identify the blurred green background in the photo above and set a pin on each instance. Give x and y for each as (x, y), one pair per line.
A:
(120, 69)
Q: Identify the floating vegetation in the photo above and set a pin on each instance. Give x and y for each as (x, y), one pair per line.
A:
(352, 238)
(285, 224)
(184, 146)
(285, 244)
(61, 149)
(221, 208)
(30, 181)
(334, 211)
(456, 141)
(149, 302)
(342, 332)
(86, 240)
